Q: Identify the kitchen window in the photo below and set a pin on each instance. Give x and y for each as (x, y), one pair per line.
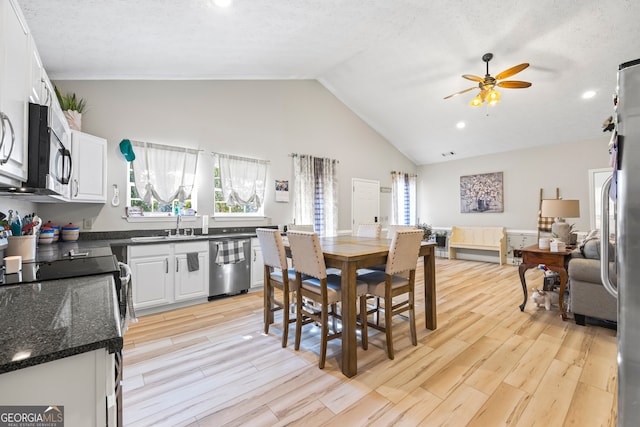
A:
(155, 207)
(238, 186)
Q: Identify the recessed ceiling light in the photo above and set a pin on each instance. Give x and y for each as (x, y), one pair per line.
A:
(222, 3)
(461, 125)
(588, 94)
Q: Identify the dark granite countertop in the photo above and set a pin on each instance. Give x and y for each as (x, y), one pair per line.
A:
(49, 320)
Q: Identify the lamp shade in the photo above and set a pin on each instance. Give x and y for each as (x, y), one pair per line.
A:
(558, 208)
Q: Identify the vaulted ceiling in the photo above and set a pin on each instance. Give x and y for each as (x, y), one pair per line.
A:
(391, 61)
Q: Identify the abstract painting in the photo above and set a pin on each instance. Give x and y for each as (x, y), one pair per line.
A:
(481, 193)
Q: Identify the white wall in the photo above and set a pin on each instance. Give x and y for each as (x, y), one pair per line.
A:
(563, 166)
(260, 119)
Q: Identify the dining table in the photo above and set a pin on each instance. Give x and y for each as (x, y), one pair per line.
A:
(350, 253)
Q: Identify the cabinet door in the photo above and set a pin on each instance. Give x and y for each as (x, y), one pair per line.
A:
(38, 90)
(14, 91)
(191, 284)
(89, 176)
(257, 264)
(151, 280)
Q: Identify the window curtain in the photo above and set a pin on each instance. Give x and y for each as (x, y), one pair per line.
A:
(403, 198)
(315, 193)
(164, 172)
(243, 180)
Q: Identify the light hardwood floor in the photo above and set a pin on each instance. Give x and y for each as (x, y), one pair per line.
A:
(487, 364)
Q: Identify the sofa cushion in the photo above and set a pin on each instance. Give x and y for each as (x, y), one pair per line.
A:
(590, 248)
(588, 270)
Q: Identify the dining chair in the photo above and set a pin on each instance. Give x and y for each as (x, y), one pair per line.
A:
(300, 227)
(318, 286)
(391, 229)
(397, 279)
(369, 230)
(279, 276)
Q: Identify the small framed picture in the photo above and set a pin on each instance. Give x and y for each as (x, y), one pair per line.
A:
(282, 190)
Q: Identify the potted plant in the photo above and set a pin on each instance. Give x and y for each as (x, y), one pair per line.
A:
(441, 239)
(426, 230)
(72, 107)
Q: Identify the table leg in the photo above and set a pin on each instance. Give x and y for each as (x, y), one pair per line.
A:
(349, 316)
(521, 270)
(563, 284)
(430, 315)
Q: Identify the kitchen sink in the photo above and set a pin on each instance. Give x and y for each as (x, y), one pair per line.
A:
(148, 238)
(162, 238)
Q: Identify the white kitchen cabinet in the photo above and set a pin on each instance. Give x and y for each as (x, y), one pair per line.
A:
(82, 383)
(89, 168)
(191, 284)
(160, 277)
(15, 67)
(257, 264)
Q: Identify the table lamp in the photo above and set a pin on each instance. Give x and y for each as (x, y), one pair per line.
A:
(560, 209)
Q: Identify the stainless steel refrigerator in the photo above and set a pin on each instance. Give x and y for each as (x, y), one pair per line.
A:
(624, 190)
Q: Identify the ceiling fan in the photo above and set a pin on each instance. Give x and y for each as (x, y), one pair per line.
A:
(487, 84)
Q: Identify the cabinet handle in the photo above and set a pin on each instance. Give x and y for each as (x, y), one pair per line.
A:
(255, 255)
(177, 265)
(166, 265)
(47, 100)
(3, 118)
(77, 188)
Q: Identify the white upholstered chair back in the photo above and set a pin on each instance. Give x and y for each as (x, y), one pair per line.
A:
(391, 229)
(300, 227)
(306, 254)
(369, 230)
(273, 252)
(403, 251)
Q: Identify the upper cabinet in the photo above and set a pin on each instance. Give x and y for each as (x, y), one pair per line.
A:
(89, 168)
(15, 73)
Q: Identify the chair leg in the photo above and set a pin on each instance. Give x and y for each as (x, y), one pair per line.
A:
(388, 309)
(268, 298)
(298, 320)
(324, 332)
(412, 319)
(285, 318)
(363, 319)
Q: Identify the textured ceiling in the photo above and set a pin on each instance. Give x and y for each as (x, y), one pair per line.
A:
(391, 61)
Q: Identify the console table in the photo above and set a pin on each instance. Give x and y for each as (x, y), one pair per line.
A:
(555, 261)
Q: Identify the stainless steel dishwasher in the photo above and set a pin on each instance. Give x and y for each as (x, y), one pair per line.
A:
(225, 276)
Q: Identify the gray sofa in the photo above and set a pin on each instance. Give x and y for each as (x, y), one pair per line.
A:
(589, 298)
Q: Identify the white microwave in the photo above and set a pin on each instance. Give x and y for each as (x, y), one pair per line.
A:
(49, 164)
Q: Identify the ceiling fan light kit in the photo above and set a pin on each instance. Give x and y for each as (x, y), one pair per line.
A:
(487, 85)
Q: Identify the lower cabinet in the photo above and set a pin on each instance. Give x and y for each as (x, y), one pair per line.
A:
(161, 275)
(257, 264)
(83, 385)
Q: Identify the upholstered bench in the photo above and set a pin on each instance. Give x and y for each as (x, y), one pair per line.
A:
(479, 238)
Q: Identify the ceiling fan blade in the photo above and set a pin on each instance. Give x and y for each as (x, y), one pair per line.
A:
(473, 78)
(514, 84)
(511, 71)
(461, 92)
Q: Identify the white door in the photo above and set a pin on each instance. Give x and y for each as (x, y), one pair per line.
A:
(365, 202)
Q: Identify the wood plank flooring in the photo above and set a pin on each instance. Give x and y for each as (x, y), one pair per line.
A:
(487, 364)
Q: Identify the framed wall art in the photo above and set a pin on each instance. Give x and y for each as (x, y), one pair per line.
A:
(481, 193)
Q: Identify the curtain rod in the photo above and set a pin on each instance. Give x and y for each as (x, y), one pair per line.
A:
(403, 173)
(165, 147)
(230, 156)
(297, 155)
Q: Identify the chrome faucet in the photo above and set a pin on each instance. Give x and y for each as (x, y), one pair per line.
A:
(178, 217)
